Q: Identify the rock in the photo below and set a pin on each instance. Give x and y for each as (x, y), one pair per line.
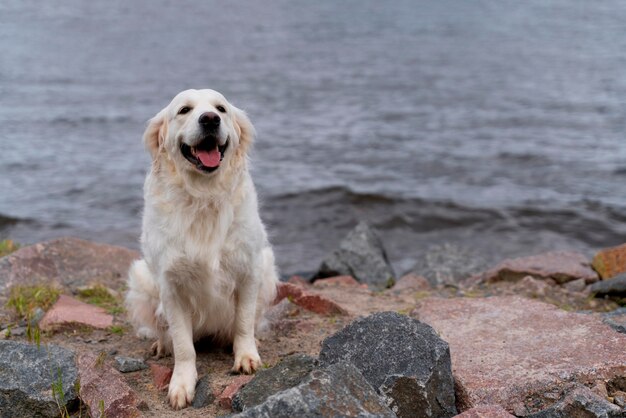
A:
(610, 262)
(616, 319)
(361, 255)
(161, 375)
(128, 364)
(403, 359)
(580, 402)
(68, 311)
(561, 266)
(337, 281)
(577, 285)
(611, 287)
(308, 300)
(448, 264)
(204, 395)
(412, 282)
(68, 262)
(298, 281)
(288, 373)
(521, 353)
(103, 389)
(486, 411)
(27, 374)
(338, 390)
(225, 399)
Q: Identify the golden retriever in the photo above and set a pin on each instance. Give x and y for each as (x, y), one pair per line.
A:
(207, 268)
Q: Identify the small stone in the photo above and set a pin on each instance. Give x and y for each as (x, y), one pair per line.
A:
(361, 255)
(288, 373)
(616, 319)
(338, 390)
(225, 399)
(337, 281)
(204, 395)
(610, 287)
(161, 375)
(486, 411)
(412, 282)
(579, 402)
(610, 262)
(68, 311)
(103, 387)
(129, 364)
(448, 264)
(403, 359)
(577, 285)
(17, 331)
(308, 300)
(27, 375)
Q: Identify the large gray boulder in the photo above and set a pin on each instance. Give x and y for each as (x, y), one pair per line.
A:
(361, 255)
(402, 358)
(28, 375)
(335, 391)
(290, 372)
(448, 264)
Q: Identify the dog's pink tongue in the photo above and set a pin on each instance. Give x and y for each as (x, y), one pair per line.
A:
(209, 158)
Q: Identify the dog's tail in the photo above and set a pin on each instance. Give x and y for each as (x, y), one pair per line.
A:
(142, 300)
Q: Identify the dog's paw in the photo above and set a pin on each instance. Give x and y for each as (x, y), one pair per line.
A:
(247, 362)
(182, 386)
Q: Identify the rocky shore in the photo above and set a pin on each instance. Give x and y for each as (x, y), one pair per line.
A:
(539, 336)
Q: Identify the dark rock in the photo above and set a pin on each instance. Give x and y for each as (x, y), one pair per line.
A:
(611, 287)
(288, 373)
(448, 264)
(361, 255)
(27, 374)
(204, 395)
(335, 391)
(128, 364)
(581, 402)
(616, 320)
(402, 358)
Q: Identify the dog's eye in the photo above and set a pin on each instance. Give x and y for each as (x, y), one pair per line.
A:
(221, 108)
(183, 110)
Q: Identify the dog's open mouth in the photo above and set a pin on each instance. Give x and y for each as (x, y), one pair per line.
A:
(207, 155)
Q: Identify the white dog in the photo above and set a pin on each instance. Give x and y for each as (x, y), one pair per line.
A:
(208, 268)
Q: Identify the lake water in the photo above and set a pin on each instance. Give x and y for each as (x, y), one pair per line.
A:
(495, 125)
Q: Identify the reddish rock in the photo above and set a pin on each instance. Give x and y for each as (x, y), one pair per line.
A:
(338, 281)
(161, 375)
(412, 282)
(486, 411)
(307, 300)
(299, 281)
(103, 387)
(520, 353)
(610, 262)
(561, 266)
(68, 262)
(68, 311)
(225, 399)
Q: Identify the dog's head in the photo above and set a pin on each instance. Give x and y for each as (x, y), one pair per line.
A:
(200, 133)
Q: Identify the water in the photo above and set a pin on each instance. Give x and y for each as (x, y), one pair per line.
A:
(498, 125)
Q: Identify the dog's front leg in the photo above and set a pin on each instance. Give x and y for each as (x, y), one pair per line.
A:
(247, 358)
(183, 383)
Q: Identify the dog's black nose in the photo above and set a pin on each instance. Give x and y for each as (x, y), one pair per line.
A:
(209, 120)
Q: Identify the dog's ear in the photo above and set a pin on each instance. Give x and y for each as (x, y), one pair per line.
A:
(155, 133)
(245, 129)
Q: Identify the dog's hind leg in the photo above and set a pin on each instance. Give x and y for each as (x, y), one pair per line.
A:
(142, 300)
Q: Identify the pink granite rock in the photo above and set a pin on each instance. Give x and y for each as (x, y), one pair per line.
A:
(412, 282)
(225, 399)
(308, 300)
(338, 281)
(520, 353)
(68, 262)
(561, 266)
(68, 311)
(102, 387)
(486, 411)
(161, 375)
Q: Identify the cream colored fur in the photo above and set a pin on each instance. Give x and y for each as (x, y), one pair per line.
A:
(208, 268)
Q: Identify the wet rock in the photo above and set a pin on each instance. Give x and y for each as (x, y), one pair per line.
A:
(610, 262)
(27, 374)
(486, 411)
(68, 262)
(225, 399)
(204, 395)
(335, 391)
(308, 300)
(103, 389)
(581, 402)
(161, 375)
(403, 359)
(560, 266)
(448, 264)
(520, 353)
(129, 364)
(68, 311)
(361, 255)
(288, 373)
(610, 287)
(616, 320)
